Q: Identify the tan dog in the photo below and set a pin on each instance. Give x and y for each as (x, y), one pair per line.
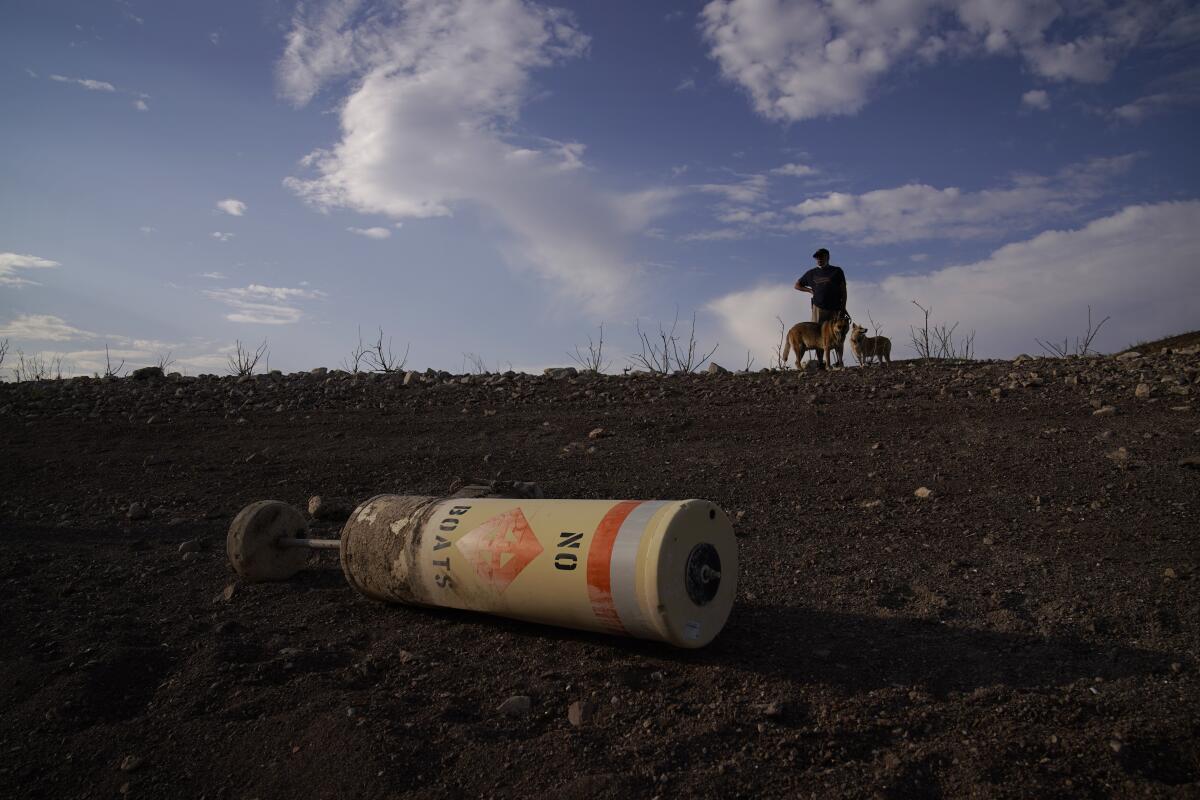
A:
(867, 347)
(825, 338)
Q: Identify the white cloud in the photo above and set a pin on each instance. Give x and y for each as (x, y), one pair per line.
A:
(263, 305)
(919, 211)
(1039, 288)
(221, 237)
(87, 83)
(148, 229)
(794, 170)
(216, 276)
(11, 262)
(215, 38)
(41, 328)
(371, 233)
(232, 207)
(140, 105)
(428, 125)
(810, 58)
(1036, 98)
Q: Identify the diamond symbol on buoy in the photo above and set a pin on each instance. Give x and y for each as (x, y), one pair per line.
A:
(500, 548)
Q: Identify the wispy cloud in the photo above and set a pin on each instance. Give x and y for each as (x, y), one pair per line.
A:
(371, 233)
(221, 236)
(232, 206)
(141, 105)
(1036, 98)
(795, 170)
(41, 328)
(11, 262)
(810, 58)
(86, 83)
(263, 305)
(216, 276)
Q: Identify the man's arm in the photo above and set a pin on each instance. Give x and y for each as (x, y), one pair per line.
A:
(800, 287)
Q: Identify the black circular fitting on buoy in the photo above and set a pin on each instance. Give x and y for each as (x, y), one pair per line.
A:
(702, 575)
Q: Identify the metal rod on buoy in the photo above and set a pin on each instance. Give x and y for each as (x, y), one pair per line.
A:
(311, 544)
(659, 570)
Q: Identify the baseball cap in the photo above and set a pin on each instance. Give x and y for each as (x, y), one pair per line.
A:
(821, 252)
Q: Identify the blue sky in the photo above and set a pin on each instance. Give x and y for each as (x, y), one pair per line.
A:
(499, 178)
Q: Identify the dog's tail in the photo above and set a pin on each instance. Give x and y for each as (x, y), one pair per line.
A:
(787, 346)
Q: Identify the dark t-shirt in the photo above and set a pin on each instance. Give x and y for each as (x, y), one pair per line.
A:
(828, 286)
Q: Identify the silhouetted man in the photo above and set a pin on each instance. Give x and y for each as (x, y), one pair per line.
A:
(827, 284)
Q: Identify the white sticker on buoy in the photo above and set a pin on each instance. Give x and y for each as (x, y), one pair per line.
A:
(691, 631)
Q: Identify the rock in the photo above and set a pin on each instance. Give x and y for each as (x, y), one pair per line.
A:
(1129, 355)
(1170, 574)
(1105, 411)
(923, 492)
(716, 369)
(410, 378)
(131, 763)
(146, 373)
(558, 373)
(581, 713)
(989, 540)
(872, 503)
(228, 592)
(137, 511)
(596, 433)
(330, 509)
(319, 372)
(1190, 462)
(516, 706)
(1120, 455)
(774, 709)
(1142, 390)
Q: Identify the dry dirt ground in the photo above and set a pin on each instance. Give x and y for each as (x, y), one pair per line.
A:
(1030, 629)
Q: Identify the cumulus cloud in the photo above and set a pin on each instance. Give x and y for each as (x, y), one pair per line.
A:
(1036, 98)
(41, 328)
(87, 83)
(1039, 288)
(232, 207)
(800, 59)
(371, 233)
(11, 262)
(140, 105)
(919, 211)
(434, 89)
(221, 236)
(263, 305)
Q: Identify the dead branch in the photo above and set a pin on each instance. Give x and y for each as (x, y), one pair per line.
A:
(243, 360)
(593, 360)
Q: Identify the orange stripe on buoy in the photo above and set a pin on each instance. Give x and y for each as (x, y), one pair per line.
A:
(599, 565)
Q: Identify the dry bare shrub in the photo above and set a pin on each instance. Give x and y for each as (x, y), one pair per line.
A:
(662, 354)
(593, 360)
(243, 360)
(1083, 344)
(940, 341)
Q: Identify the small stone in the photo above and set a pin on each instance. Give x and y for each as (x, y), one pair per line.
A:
(228, 592)
(1142, 390)
(716, 369)
(923, 492)
(774, 709)
(989, 540)
(1114, 745)
(131, 763)
(329, 509)
(1105, 411)
(1170, 574)
(137, 511)
(581, 713)
(1119, 455)
(146, 373)
(1129, 355)
(872, 503)
(516, 706)
(410, 378)
(1190, 462)
(1176, 666)
(596, 433)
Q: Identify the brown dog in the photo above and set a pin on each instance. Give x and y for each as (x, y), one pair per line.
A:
(867, 347)
(825, 338)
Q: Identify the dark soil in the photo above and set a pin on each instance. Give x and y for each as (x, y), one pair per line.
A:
(1031, 629)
